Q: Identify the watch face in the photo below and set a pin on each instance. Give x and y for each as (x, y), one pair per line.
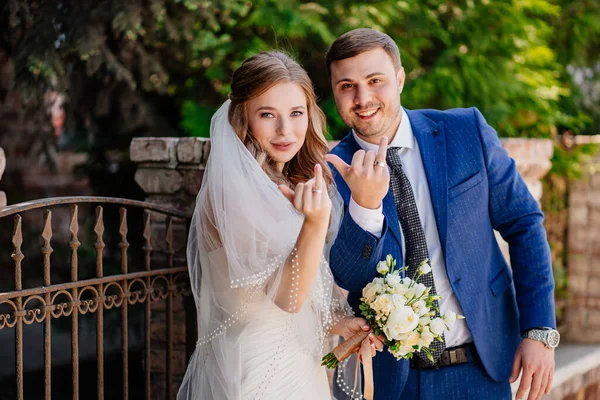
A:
(553, 338)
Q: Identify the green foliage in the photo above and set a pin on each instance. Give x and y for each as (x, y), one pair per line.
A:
(196, 119)
(509, 58)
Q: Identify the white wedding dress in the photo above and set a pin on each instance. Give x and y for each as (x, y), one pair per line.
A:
(276, 369)
(242, 232)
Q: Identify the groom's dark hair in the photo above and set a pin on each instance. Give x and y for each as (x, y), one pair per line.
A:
(358, 41)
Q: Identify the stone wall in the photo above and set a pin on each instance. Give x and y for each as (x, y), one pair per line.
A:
(170, 173)
(583, 255)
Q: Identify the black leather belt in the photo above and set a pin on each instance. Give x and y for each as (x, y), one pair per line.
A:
(451, 356)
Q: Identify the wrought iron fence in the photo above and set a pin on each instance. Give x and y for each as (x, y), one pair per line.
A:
(45, 303)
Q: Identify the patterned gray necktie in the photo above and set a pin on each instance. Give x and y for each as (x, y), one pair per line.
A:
(414, 235)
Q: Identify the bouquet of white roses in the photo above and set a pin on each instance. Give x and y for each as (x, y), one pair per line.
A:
(400, 308)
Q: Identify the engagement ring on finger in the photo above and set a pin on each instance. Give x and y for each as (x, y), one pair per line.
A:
(317, 190)
(379, 164)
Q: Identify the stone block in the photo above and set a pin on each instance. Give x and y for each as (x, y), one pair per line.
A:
(578, 240)
(583, 335)
(595, 180)
(533, 169)
(578, 198)
(594, 286)
(158, 360)
(579, 264)
(158, 331)
(535, 188)
(158, 386)
(578, 216)
(159, 233)
(157, 308)
(594, 199)
(595, 265)
(575, 317)
(594, 239)
(593, 319)
(153, 149)
(594, 217)
(159, 181)
(179, 362)
(192, 181)
(527, 149)
(192, 150)
(578, 284)
(180, 201)
(579, 185)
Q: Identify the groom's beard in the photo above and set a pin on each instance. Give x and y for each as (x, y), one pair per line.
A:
(386, 120)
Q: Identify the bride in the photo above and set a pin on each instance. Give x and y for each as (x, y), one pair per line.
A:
(265, 218)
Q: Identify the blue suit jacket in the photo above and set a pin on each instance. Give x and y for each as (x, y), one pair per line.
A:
(475, 189)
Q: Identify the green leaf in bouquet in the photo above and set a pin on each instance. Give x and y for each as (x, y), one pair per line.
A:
(427, 351)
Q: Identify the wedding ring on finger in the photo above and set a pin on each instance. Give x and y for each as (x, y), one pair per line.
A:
(379, 164)
(317, 190)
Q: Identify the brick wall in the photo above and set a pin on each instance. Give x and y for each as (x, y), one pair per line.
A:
(583, 256)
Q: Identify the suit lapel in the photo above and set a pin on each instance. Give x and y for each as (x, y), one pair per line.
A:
(432, 145)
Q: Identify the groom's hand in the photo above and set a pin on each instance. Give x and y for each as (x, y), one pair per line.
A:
(537, 363)
(367, 177)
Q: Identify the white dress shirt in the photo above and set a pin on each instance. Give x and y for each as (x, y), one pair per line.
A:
(372, 221)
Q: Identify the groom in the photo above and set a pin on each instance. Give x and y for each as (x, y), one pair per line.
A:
(438, 190)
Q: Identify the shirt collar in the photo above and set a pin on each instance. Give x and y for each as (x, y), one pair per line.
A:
(404, 137)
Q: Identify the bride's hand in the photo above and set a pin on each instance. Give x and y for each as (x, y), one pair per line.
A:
(350, 326)
(311, 198)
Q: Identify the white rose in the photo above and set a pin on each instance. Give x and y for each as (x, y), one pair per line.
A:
(401, 320)
(393, 279)
(424, 321)
(412, 339)
(371, 291)
(398, 300)
(399, 289)
(449, 318)
(382, 268)
(426, 339)
(404, 350)
(379, 281)
(425, 269)
(420, 308)
(383, 304)
(419, 289)
(437, 326)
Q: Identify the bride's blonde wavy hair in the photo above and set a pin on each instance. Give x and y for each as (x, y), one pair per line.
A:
(254, 77)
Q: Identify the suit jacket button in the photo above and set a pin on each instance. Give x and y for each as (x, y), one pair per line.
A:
(367, 252)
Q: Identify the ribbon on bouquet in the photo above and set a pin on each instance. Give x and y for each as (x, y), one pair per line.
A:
(365, 352)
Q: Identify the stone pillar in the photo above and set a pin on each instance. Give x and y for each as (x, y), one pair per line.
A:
(532, 157)
(583, 256)
(170, 173)
(2, 168)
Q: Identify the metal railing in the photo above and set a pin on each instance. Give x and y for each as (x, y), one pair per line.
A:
(50, 301)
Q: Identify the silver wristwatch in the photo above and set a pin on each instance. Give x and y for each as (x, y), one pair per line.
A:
(550, 337)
